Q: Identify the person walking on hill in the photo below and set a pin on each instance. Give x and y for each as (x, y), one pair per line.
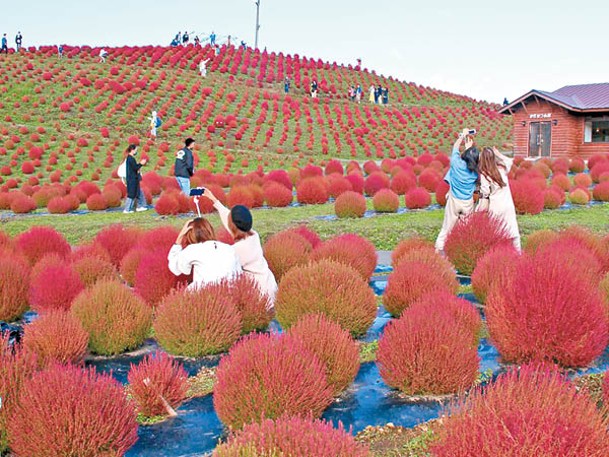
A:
(185, 39)
(286, 84)
(238, 222)
(60, 51)
(462, 177)
(495, 194)
(102, 55)
(155, 123)
(372, 92)
(385, 93)
(212, 38)
(4, 45)
(134, 191)
(184, 166)
(358, 94)
(18, 41)
(203, 68)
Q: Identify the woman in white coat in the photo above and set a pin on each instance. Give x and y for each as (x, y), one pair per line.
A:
(238, 222)
(196, 250)
(495, 194)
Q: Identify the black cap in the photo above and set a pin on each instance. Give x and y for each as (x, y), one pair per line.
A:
(242, 218)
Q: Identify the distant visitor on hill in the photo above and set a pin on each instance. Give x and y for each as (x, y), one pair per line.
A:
(184, 166)
(212, 38)
(60, 51)
(358, 93)
(185, 38)
(385, 93)
(134, 191)
(4, 45)
(314, 88)
(203, 68)
(286, 85)
(18, 41)
(155, 123)
(197, 40)
(102, 55)
(372, 91)
(462, 177)
(505, 102)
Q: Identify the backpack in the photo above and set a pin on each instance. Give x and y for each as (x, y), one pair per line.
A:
(122, 170)
(158, 123)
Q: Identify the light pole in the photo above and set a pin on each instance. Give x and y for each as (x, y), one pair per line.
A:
(257, 23)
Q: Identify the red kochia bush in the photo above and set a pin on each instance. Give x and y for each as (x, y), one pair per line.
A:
(528, 411)
(494, 270)
(115, 318)
(550, 310)
(91, 415)
(153, 280)
(417, 198)
(117, 240)
(528, 197)
(412, 280)
(267, 376)
(130, 264)
(333, 345)
(96, 202)
(197, 323)
(327, 287)
(14, 286)
(471, 238)
(285, 250)
(292, 436)
(386, 201)
(308, 234)
(54, 288)
(251, 304)
(154, 377)
(350, 204)
(21, 204)
(312, 191)
(167, 204)
(38, 241)
(350, 249)
(16, 366)
(56, 336)
(402, 182)
(277, 195)
(601, 191)
(93, 269)
(408, 245)
(425, 353)
(375, 182)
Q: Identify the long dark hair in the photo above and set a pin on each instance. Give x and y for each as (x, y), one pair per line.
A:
(471, 157)
(489, 168)
(130, 148)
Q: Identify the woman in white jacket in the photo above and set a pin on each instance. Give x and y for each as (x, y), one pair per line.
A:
(196, 250)
(495, 194)
(238, 221)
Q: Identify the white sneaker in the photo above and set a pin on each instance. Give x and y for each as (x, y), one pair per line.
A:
(141, 208)
(127, 211)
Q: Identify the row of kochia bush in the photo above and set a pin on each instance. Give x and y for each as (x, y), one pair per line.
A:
(323, 302)
(535, 186)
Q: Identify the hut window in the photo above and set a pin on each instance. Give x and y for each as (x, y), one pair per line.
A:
(596, 131)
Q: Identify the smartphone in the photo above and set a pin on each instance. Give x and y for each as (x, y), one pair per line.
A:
(196, 192)
(471, 132)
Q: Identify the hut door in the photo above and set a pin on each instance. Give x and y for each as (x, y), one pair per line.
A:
(540, 139)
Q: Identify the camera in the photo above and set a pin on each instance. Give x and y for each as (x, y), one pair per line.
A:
(196, 192)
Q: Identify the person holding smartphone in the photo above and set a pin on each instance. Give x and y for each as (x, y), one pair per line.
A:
(133, 178)
(238, 221)
(462, 177)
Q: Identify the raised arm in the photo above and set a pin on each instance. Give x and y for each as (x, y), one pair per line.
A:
(507, 161)
(223, 211)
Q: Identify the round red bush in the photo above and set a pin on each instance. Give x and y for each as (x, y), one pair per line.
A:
(277, 195)
(197, 323)
(473, 237)
(253, 306)
(350, 204)
(402, 182)
(115, 318)
(93, 269)
(54, 288)
(528, 411)
(528, 198)
(552, 198)
(308, 234)
(601, 192)
(417, 198)
(279, 176)
(330, 288)
(412, 280)
(375, 182)
(292, 436)
(161, 238)
(153, 280)
(429, 179)
(577, 165)
(56, 336)
(157, 376)
(117, 240)
(441, 192)
(130, 264)
(386, 201)
(14, 286)
(312, 191)
(565, 319)
(494, 270)
(350, 249)
(241, 195)
(561, 181)
(333, 345)
(579, 197)
(357, 182)
(442, 267)
(407, 245)
(77, 397)
(424, 353)
(334, 166)
(21, 204)
(59, 205)
(267, 376)
(167, 204)
(337, 185)
(582, 180)
(285, 250)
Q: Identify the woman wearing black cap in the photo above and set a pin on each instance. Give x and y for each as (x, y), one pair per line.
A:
(238, 221)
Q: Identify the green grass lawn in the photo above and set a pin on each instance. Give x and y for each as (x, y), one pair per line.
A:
(385, 231)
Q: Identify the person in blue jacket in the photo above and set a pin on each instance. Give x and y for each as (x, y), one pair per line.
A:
(4, 44)
(462, 178)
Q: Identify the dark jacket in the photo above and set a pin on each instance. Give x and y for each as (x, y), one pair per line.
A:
(184, 167)
(133, 177)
